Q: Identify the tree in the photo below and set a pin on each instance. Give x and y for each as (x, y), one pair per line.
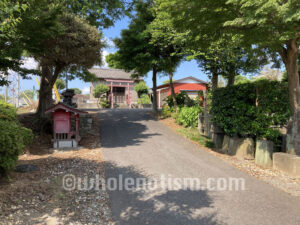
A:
(76, 43)
(170, 43)
(77, 91)
(135, 44)
(99, 90)
(151, 43)
(60, 84)
(10, 40)
(28, 93)
(268, 24)
(141, 88)
(32, 23)
(239, 79)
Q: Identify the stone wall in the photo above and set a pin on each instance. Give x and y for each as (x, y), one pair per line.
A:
(204, 125)
(85, 124)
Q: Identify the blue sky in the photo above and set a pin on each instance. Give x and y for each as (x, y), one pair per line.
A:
(184, 70)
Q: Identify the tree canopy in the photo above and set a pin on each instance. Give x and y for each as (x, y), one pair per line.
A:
(99, 90)
(77, 43)
(141, 88)
(60, 84)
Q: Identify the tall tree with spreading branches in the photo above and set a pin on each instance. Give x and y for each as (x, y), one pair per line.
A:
(268, 24)
(77, 43)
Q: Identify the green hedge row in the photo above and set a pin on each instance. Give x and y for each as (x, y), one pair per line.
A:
(13, 137)
(253, 109)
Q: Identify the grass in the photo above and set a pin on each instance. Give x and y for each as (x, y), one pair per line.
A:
(194, 135)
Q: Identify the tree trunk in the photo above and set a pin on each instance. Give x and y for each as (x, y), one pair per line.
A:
(154, 89)
(290, 56)
(215, 80)
(45, 92)
(231, 79)
(173, 91)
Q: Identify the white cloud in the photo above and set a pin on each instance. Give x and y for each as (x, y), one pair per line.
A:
(30, 63)
(109, 42)
(104, 54)
(86, 90)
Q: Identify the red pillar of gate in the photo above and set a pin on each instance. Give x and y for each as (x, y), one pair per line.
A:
(129, 102)
(111, 96)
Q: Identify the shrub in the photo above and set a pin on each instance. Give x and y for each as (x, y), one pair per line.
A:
(254, 109)
(99, 90)
(188, 116)
(144, 99)
(103, 102)
(166, 111)
(182, 99)
(141, 88)
(13, 137)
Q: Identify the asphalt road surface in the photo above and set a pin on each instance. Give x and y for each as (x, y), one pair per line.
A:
(138, 147)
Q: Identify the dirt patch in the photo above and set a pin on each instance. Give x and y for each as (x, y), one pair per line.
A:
(40, 197)
(274, 177)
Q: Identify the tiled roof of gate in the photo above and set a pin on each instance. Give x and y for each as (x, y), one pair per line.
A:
(111, 73)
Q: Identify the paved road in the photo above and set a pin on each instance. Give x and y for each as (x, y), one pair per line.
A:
(137, 146)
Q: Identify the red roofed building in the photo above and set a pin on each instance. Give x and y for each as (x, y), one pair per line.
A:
(190, 85)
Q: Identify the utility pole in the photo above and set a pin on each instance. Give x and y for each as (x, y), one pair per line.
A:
(18, 90)
(66, 80)
(5, 96)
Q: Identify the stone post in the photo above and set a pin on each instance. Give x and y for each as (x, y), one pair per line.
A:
(264, 153)
(217, 135)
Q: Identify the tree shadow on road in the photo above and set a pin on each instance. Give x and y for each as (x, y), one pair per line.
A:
(39, 197)
(121, 128)
(157, 206)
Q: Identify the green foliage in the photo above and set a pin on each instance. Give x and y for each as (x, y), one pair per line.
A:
(144, 99)
(188, 116)
(27, 135)
(252, 109)
(194, 135)
(167, 81)
(28, 93)
(77, 91)
(13, 137)
(239, 79)
(166, 111)
(11, 46)
(99, 90)
(182, 99)
(141, 88)
(60, 84)
(7, 112)
(104, 103)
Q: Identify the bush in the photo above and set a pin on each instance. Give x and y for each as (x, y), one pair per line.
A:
(254, 109)
(188, 116)
(99, 90)
(103, 102)
(166, 111)
(180, 99)
(141, 88)
(13, 137)
(144, 99)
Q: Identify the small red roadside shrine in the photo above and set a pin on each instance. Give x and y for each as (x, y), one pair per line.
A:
(62, 126)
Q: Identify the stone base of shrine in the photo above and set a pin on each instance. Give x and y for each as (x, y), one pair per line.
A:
(61, 144)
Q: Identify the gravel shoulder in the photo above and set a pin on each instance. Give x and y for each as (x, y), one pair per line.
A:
(39, 197)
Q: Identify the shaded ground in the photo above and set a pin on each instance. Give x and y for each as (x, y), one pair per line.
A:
(137, 146)
(39, 197)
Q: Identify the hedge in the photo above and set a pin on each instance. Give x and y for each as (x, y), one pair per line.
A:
(13, 137)
(254, 109)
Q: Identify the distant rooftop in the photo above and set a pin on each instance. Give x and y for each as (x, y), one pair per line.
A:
(111, 73)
